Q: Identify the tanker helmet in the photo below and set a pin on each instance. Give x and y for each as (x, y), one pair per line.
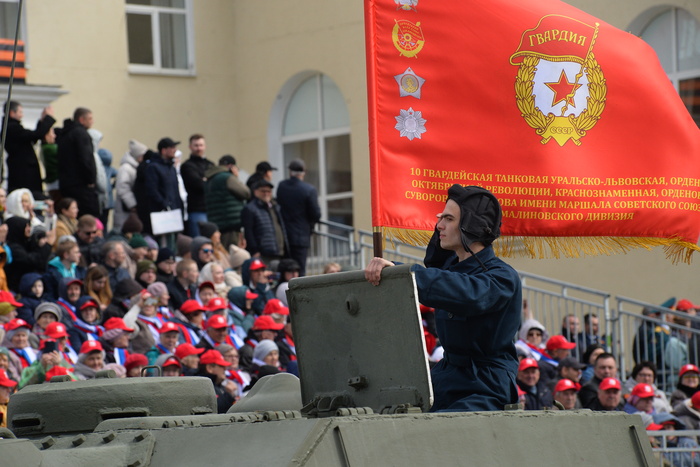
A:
(480, 214)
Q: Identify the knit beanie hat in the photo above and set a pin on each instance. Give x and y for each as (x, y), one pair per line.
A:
(132, 224)
(263, 348)
(48, 307)
(143, 266)
(207, 229)
(183, 244)
(137, 241)
(137, 149)
(157, 289)
(237, 256)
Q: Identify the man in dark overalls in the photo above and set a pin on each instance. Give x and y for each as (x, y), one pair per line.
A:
(478, 303)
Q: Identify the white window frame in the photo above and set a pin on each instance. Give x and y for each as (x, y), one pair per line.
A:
(277, 140)
(153, 12)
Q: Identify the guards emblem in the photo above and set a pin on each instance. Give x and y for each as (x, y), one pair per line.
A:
(408, 38)
(560, 89)
(406, 4)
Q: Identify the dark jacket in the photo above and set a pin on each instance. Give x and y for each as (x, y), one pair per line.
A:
(27, 256)
(76, 159)
(192, 172)
(161, 185)
(225, 197)
(595, 406)
(477, 313)
(300, 210)
(22, 164)
(140, 192)
(27, 297)
(259, 228)
(537, 397)
(589, 392)
(178, 294)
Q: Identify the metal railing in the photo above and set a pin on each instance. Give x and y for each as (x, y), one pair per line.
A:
(667, 451)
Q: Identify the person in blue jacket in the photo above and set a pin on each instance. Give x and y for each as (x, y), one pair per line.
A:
(477, 300)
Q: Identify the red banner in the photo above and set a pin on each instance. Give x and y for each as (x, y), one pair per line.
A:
(570, 122)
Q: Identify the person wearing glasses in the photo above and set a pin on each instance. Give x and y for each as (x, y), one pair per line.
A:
(89, 242)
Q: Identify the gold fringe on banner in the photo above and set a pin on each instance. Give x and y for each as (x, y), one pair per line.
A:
(676, 249)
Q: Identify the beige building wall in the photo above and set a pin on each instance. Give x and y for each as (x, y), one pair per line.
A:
(245, 51)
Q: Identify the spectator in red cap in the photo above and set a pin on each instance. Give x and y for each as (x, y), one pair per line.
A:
(688, 412)
(7, 388)
(215, 332)
(168, 337)
(537, 394)
(50, 356)
(670, 423)
(259, 283)
(234, 372)
(558, 348)
(645, 372)
(115, 340)
(169, 365)
(17, 335)
(213, 366)
(264, 327)
(609, 397)
(189, 319)
(59, 333)
(86, 326)
(189, 358)
(605, 366)
(205, 292)
(688, 384)
(279, 312)
(641, 399)
(146, 321)
(90, 360)
(134, 363)
(565, 393)
(59, 371)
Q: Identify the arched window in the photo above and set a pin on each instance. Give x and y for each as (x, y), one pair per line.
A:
(315, 128)
(675, 36)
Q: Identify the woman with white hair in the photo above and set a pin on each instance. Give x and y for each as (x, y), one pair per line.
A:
(21, 203)
(91, 359)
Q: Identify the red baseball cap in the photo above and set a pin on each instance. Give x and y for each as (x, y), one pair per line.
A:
(654, 427)
(204, 284)
(170, 361)
(609, 383)
(688, 369)
(90, 303)
(256, 264)
(57, 371)
(216, 322)
(134, 360)
(526, 363)
(250, 295)
(643, 390)
(266, 323)
(186, 349)
(213, 357)
(216, 304)
(56, 330)
(17, 323)
(695, 400)
(168, 327)
(91, 346)
(74, 281)
(192, 306)
(7, 297)
(566, 384)
(117, 323)
(275, 305)
(685, 305)
(559, 342)
(5, 380)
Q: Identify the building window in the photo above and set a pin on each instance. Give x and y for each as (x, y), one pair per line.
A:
(160, 36)
(675, 36)
(316, 129)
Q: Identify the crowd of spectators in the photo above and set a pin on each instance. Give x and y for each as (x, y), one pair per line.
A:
(78, 297)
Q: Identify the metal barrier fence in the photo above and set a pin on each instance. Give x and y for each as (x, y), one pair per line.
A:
(679, 452)
(582, 314)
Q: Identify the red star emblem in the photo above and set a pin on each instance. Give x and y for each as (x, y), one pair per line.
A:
(563, 90)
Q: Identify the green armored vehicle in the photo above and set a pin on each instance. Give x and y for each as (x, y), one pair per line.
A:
(362, 400)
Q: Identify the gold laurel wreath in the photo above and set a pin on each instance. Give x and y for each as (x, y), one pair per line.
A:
(525, 99)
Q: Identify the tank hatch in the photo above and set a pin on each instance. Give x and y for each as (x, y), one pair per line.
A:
(359, 346)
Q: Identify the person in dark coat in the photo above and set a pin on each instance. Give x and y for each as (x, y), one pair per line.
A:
(300, 210)
(28, 255)
(161, 179)
(265, 234)
(77, 172)
(477, 300)
(22, 164)
(192, 172)
(31, 290)
(537, 395)
(226, 196)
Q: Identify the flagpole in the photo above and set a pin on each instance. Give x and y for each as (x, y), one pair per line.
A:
(377, 241)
